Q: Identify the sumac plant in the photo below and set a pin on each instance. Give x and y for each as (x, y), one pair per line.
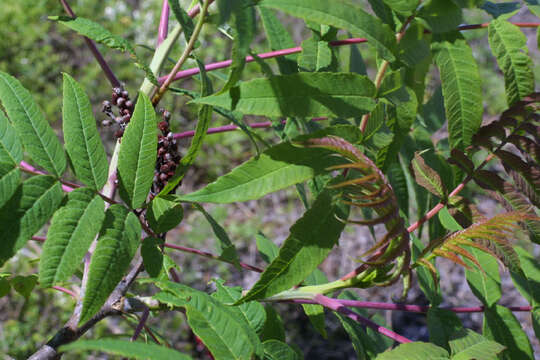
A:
(364, 156)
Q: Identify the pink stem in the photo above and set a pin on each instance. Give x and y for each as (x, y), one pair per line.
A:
(337, 306)
(408, 308)
(163, 28)
(67, 291)
(197, 9)
(29, 168)
(225, 128)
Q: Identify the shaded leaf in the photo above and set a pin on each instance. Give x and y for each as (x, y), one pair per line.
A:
(441, 325)
(227, 249)
(152, 256)
(279, 38)
(33, 203)
(311, 239)
(73, 228)
(277, 350)
(24, 284)
(10, 146)
(10, 177)
(164, 214)
(267, 249)
(403, 7)
(341, 14)
(301, 94)
(273, 327)
(441, 16)
(138, 152)
(38, 138)
(117, 243)
(501, 325)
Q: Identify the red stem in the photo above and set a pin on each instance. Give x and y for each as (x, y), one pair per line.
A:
(163, 28)
(97, 55)
(337, 306)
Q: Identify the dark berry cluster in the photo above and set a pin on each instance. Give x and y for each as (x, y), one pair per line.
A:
(120, 99)
(168, 155)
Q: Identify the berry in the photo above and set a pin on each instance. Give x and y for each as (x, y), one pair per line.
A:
(162, 177)
(125, 94)
(166, 115)
(163, 126)
(119, 133)
(120, 101)
(129, 104)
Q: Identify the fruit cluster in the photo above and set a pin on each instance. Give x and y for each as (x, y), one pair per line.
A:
(120, 99)
(168, 155)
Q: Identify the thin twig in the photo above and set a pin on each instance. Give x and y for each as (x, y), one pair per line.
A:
(337, 306)
(67, 291)
(142, 321)
(97, 55)
(187, 51)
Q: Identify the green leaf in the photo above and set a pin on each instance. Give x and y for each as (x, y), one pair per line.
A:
(227, 249)
(403, 7)
(267, 249)
(138, 152)
(311, 239)
(99, 34)
(10, 146)
(10, 177)
(33, 203)
(183, 18)
(134, 350)
(277, 350)
(164, 214)
(528, 278)
(244, 33)
(315, 56)
(24, 284)
(468, 345)
(501, 325)
(426, 177)
(301, 94)
(448, 221)
(441, 325)
(509, 45)
(341, 14)
(461, 89)
(441, 16)
(205, 116)
(81, 137)
(225, 334)
(315, 312)
(37, 136)
(273, 327)
(485, 285)
(279, 167)
(426, 281)
(5, 286)
(252, 312)
(415, 351)
(152, 255)
(73, 227)
(117, 243)
(279, 38)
